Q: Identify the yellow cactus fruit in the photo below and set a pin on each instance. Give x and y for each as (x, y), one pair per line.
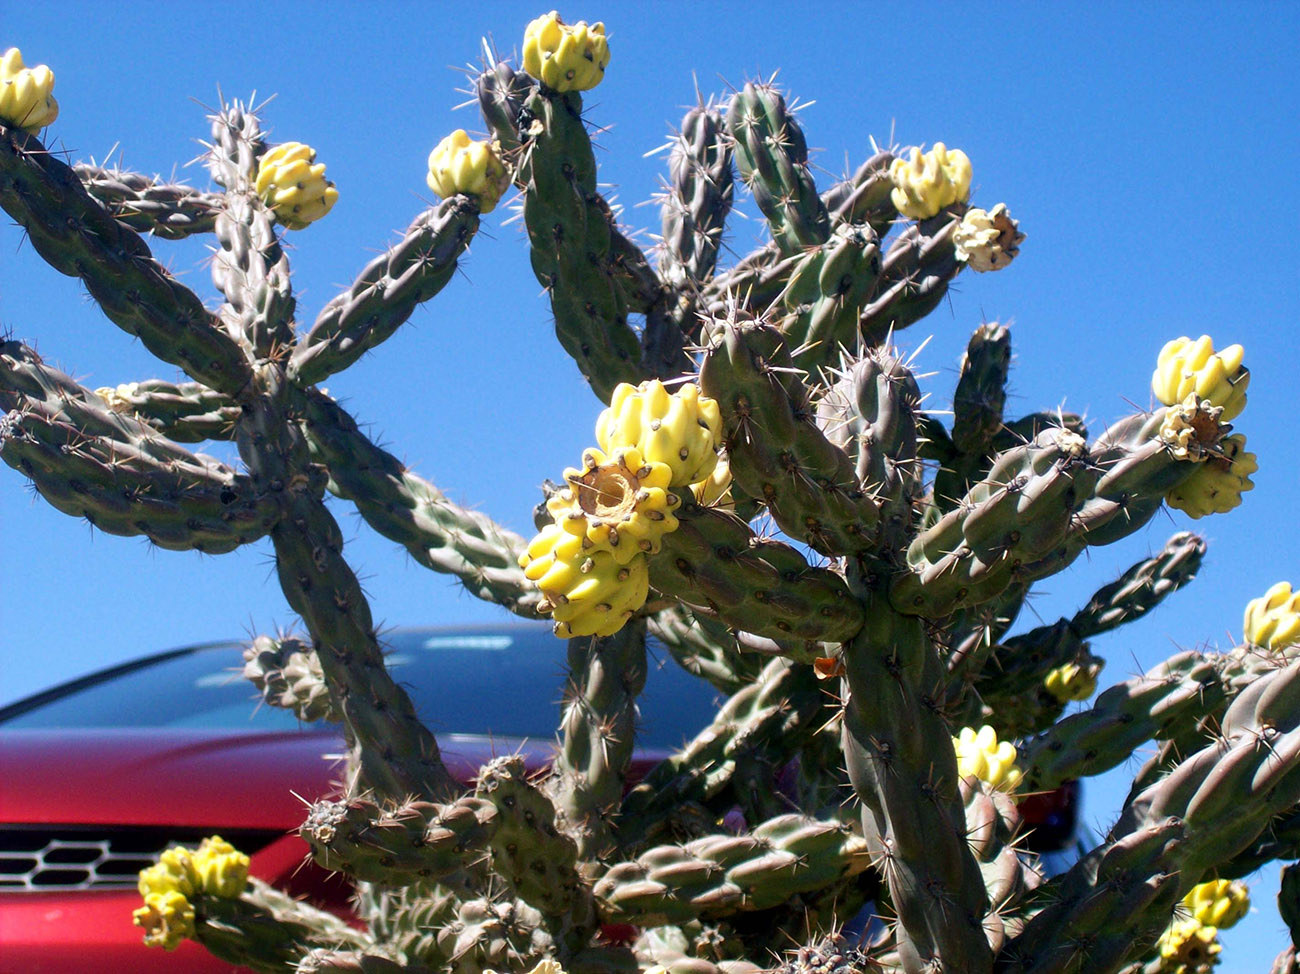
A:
(26, 94)
(715, 489)
(618, 504)
(929, 181)
(682, 429)
(988, 240)
(1218, 483)
(1273, 620)
(1191, 428)
(981, 755)
(459, 164)
(167, 919)
(1188, 947)
(1219, 903)
(1185, 367)
(563, 57)
(294, 186)
(222, 869)
(173, 872)
(1071, 682)
(587, 593)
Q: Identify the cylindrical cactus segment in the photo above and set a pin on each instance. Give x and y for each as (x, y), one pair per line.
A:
(776, 450)
(773, 158)
(697, 199)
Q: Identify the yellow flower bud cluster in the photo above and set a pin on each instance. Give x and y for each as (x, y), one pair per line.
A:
(981, 755)
(563, 57)
(294, 186)
(1218, 483)
(987, 240)
(929, 181)
(215, 868)
(592, 562)
(459, 164)
(26, 94)
(1188, 947)
(1072, 682)
(1273, 620)
(1185, 367)
(1218, 903)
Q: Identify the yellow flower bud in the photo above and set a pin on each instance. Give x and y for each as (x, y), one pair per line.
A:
(565, 58)
(682, 429)
(928, 182)
(167, 919)
(459, 164)
(1185, 367)
(294, 186)
(588, 593)
(1219, 903)
(1218, 483)
(1071, 682)
(222, 869)
(26, 94)
(1273, 620)
(1188, 947)
(981, 755)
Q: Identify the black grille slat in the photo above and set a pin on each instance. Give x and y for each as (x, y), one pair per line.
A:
(40, 858)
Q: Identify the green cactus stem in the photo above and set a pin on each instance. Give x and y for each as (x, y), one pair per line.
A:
(412, 842)
(184, 412)
(267, 930)
(772, 156)
(865, 196)
(120, 475)
(148, 205)
(598, 732)
(407, 509)
(776, 450)
(696, 202)
(287, 673)
(79, 238)
(705, 648)
(918, 267)
(770, 719)
(387, 291)
(900, 759)
(570, 233)
(719, 875)
(718, 566)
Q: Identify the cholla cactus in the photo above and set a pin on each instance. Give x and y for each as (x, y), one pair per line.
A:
(769, 497)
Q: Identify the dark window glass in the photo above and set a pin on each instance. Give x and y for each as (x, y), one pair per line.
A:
(503, 682)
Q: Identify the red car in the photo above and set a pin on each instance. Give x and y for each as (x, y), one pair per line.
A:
(103, 773)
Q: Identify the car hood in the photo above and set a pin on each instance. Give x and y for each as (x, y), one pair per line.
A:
(189, 778)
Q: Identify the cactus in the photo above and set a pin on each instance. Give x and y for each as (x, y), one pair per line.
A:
(766, 492)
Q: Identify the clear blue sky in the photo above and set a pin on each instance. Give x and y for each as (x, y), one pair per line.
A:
(1149, 153)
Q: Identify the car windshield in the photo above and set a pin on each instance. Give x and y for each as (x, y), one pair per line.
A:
(499, 682)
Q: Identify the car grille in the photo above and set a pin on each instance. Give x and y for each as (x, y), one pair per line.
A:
(40, 859)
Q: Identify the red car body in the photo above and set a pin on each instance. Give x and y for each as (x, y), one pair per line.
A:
(70, 791)
(66, 794)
